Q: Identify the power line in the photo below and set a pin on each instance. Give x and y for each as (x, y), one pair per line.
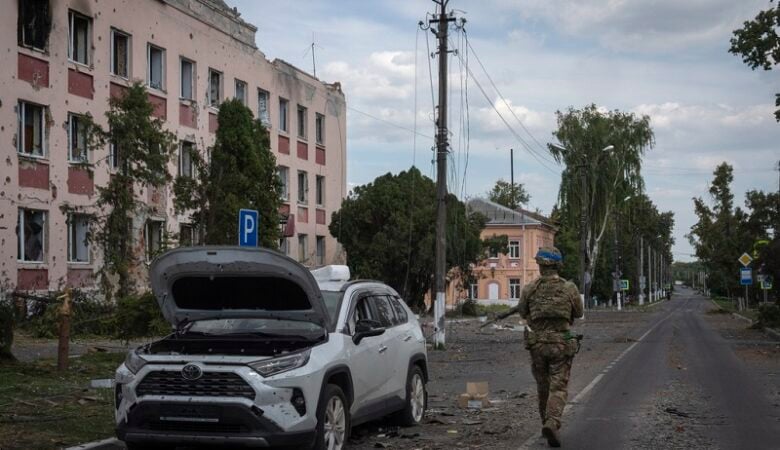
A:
(393, 124)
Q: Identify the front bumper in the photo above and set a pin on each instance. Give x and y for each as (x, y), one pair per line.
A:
(193, 423)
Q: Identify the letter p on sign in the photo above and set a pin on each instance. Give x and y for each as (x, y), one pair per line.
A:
(247, 227)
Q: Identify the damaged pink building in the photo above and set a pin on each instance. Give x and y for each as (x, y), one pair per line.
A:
(65, 58)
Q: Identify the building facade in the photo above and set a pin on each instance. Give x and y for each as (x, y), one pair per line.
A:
(66, 58)
(499, 278)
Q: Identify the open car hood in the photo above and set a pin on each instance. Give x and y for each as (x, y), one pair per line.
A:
(198, 283)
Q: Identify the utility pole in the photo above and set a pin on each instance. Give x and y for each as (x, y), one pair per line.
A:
(584, 277)
(616, 274)
(440, 32)
(641, 270)
(512, 176)
(650, 272)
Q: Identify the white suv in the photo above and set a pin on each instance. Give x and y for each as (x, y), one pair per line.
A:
(267, 353)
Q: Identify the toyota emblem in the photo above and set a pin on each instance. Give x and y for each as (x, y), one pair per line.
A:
(191, 372)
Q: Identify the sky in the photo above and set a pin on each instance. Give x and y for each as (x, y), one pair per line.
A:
(667, 59)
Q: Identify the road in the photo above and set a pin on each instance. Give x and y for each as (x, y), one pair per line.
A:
(681, 385)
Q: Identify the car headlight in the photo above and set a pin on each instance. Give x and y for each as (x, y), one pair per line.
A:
(273, 366)
(133, 362)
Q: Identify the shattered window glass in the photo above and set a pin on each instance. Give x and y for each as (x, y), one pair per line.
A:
(31, 235)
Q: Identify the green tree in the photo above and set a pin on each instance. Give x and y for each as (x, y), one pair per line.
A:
(241, 174)
(758, 43)
(387, 228)
(144, 148)
(504, 193)
(608, 177)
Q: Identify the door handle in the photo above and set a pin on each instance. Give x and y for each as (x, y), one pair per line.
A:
(382, 349)
(408, 338)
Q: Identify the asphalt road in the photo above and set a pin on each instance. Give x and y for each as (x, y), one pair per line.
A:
(679, 386)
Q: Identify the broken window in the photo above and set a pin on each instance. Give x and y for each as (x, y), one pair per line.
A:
(320, 129)
(77, 144)
(284, 177)
(320, 190)
(31, 140)
(320, 250)
(283, 104)
(156, 66)
(186, 168)
(187, 77)
(79, 37)
(241, 91)
(120, 54)
(303, 251)
(31, 235)
(302, 113)
(34, 23)
(187, 236)
(303, 187)
(78, 238)
(153, 235)
(215, 88)
(262, 107)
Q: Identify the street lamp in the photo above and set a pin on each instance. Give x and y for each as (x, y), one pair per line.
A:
(581, 165)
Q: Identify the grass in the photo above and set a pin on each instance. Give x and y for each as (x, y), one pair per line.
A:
(41, 408)
(728, 305)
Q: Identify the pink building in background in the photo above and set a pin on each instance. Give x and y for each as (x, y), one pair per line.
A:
(65, 58)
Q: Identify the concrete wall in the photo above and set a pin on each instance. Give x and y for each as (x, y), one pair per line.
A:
(199, 30)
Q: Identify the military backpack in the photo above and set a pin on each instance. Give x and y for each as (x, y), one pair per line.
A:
(548, 299)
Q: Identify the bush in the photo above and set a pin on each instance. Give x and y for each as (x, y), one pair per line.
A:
(6, 329)
(769, 315)
(469, 308)
(139, 316)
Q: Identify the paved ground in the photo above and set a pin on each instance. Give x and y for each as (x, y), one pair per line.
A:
(672, 376)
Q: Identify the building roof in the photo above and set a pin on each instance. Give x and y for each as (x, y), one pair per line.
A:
(501, 215)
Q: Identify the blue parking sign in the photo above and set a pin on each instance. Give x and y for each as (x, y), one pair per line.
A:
(745, 276)
(248, 224)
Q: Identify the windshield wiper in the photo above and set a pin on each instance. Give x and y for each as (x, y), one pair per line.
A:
(275, 336)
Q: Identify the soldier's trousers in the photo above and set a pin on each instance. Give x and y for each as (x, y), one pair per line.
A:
(551, 366)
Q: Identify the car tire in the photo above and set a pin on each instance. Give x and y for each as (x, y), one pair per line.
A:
(416, 398)
(333, 419)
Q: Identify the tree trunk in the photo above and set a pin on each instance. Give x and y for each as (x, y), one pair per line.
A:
(6, 332)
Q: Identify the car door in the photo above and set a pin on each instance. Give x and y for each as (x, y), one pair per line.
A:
(407, 346)
(392, 344)
(368, 363)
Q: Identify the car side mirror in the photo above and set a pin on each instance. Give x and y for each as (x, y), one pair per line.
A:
(366, 328)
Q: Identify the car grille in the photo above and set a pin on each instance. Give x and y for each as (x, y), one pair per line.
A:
(188, 427)
(211, 384)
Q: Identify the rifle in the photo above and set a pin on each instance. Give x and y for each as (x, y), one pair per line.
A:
(501, 316)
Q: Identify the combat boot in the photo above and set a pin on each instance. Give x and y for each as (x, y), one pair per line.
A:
(550, 432)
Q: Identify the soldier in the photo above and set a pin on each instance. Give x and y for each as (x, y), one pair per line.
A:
(549, 305)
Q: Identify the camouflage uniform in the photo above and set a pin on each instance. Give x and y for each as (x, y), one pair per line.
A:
(550, 304)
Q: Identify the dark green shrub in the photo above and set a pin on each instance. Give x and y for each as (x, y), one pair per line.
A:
(6, 329)
(769, 315)
(469, 308)
(139, 316)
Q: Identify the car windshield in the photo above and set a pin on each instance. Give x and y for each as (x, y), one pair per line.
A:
(271, 327)
(332, 302)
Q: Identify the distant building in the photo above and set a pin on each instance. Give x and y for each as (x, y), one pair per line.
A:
(66, 58)
(499, 278)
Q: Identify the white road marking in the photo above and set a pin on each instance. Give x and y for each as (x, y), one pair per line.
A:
(595, 381)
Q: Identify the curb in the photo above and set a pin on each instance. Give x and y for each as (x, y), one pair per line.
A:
(772, 332)
(113, 442)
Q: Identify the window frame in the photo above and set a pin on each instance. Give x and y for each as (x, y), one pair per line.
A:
(193, 78)
(71, 224)
(285, 181)
(72, 15)
(236, 83)
(374, 300)
(517, 247)
(149, 47)
(220, 94)
(22, 109)
(151, 253)
(303, 250)
(474, 291)
(319, 190)
(284, 115)
(20, 236)
(73, 120)
(22, 36)
(284, 245)
(319, 258)
(128, 54)
(191, 232)
(190, 150)
(319, 129)
(515, 284)
(303, 188)
(302, 121)
(265, 118)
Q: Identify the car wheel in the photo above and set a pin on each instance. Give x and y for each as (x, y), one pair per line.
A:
(416, 398)
(332, 419)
